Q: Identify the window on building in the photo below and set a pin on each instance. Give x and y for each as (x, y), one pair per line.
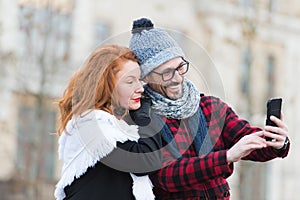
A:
(45, 33)
(102, 31)
(247, 3)
(36, 146)
(270, 65)
(59, 39)
(245, 71)
(44, 45)
(272, 5)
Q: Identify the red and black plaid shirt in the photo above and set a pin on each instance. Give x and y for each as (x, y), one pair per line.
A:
(194, 177)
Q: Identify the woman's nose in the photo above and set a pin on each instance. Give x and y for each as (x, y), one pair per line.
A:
(140, 88)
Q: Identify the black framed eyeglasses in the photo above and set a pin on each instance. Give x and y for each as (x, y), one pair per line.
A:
(168, 74)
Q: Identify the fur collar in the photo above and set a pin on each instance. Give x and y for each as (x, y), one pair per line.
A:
(87, 139)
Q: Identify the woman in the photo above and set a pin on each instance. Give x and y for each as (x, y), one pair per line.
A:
(95, 142)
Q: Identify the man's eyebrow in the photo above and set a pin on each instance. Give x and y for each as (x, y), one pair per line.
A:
(169, 68)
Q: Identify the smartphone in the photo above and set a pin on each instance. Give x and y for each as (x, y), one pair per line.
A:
(273, 108)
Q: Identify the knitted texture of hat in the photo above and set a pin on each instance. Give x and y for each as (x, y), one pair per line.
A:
(152, 46)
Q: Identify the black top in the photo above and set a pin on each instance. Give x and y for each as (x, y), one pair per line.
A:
(110, 179)
(101, 183)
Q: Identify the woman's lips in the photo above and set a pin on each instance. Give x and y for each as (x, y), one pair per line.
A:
(137, 99)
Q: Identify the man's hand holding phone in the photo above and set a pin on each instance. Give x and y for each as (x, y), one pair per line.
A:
(275, 130)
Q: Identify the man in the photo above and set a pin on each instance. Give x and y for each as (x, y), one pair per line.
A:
(203, 137)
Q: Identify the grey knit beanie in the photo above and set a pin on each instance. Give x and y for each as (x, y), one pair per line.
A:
(152, 46)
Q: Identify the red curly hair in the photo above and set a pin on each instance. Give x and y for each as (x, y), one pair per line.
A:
(92, 86)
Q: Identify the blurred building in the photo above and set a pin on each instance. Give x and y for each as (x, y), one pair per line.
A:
(243, 51)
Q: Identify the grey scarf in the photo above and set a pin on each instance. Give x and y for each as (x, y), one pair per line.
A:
(186, 107)
(181, 108)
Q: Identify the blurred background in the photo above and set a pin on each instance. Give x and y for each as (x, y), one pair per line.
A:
(244, 51)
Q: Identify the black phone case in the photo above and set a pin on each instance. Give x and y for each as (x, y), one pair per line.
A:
(273, 108)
